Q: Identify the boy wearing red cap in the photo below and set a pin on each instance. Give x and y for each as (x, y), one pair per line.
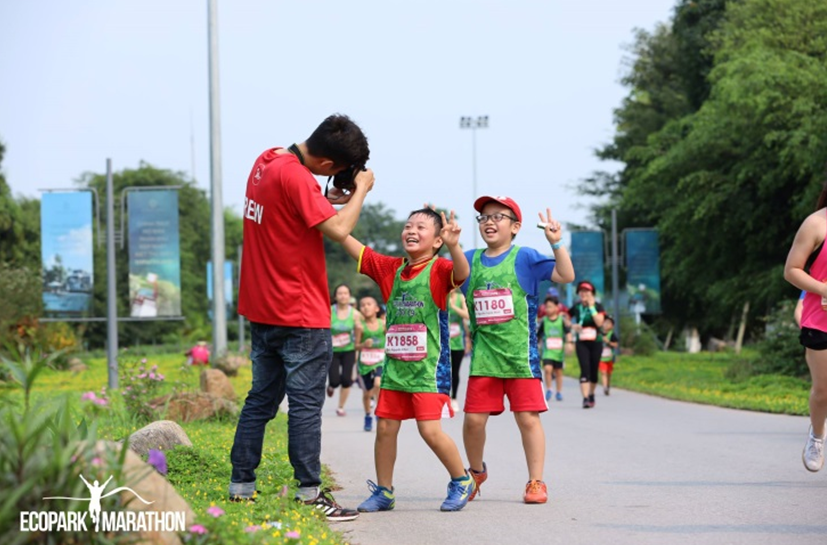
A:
(502, 294)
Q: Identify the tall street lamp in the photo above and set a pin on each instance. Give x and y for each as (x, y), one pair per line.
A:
(474, 123)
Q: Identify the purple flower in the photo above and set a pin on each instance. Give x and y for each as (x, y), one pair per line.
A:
(157, 460)
(96, 461)
(198, 529)
(160, 376)
(102, 402)
(143, 360)
(88, 396)
(251, 529)
(292, 535)
(152, 375)
(215, 511)
(142, 375)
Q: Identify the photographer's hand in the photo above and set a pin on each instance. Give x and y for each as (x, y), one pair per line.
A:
(338, 196)
(364, 178)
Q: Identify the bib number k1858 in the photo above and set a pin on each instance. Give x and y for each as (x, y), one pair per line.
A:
(407, 342)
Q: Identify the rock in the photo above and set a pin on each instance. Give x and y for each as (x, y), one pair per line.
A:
(717, 345)
(191, 406)
(215, 382)
(142, 478)
(76, 365)
(229, 363)
(160, 435)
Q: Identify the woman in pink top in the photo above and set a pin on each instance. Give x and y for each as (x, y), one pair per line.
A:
(806, 269)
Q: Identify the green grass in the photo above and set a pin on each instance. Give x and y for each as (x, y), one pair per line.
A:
(705, 378)
(201, 473)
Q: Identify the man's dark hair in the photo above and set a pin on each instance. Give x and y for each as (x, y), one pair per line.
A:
(340, 140)
(435, 217)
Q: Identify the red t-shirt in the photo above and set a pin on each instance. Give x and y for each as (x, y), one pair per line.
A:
(382, 269)
(283, 273)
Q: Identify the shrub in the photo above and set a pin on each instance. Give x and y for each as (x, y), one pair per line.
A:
(43, 452)
(639, 337)
(780, 352)
(139, 386)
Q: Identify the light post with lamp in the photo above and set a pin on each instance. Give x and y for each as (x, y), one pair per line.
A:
(474, 123)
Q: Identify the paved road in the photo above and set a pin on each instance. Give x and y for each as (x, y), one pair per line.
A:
(634, 470)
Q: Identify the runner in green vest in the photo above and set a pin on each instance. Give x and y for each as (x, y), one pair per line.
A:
(553, 335)
(344, 320)
(502, 292)
(370, 341)
(416, 378)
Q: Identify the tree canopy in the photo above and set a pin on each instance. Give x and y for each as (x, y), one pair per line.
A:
(722, 137)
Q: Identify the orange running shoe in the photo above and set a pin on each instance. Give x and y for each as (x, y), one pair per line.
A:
(479, 478)
(535, 492)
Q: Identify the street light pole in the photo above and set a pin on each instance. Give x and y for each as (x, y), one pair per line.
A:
(219, 309)
(474, 123)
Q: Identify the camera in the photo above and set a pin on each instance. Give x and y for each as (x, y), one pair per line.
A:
(344, 179)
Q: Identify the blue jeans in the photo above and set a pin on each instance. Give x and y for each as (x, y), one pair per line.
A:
(289, 360)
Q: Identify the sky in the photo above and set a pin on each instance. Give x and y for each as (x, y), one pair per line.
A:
(128, 80)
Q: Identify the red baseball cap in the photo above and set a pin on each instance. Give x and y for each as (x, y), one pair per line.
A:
(480, 203)
(585, 285)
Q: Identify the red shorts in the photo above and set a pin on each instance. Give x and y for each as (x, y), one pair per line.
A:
(485, 395)
(396, 405)
(606, 367)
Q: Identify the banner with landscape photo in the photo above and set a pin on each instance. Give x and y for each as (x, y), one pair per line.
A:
(66, 252)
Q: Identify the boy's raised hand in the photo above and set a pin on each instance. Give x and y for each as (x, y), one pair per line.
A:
(553, 230)
(450, 230)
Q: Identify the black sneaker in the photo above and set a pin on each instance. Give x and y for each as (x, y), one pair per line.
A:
(334, 512)
(586, 404)
(591, 400)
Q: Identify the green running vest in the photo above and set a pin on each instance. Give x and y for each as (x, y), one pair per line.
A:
(342, 331)
(553, 335)
(501, 348)
(373, 357)
(414, 320)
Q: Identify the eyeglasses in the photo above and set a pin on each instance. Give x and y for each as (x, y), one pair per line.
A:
(482, 218)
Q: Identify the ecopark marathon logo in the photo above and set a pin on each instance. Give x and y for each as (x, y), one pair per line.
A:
(99, 520)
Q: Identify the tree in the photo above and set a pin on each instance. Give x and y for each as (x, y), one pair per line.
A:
(727, 183)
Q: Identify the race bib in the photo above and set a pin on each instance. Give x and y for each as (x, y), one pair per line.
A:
(554, 343)
(371, 356)
(607, 353)
(588, 334)
(493, 306)
(456, 330)
(341, 340)
(407, 342)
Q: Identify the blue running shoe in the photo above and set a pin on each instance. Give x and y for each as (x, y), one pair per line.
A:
(559, 396)
(548, 395)
(381, 499)
(459, 493)
(368, 422)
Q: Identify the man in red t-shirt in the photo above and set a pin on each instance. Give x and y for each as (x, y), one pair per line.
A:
(283, 292)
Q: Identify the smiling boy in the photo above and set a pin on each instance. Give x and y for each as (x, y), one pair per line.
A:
(502, 299)
(416, 379)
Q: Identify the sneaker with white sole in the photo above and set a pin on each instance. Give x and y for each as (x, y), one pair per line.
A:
(813, 455)
(325, 504)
